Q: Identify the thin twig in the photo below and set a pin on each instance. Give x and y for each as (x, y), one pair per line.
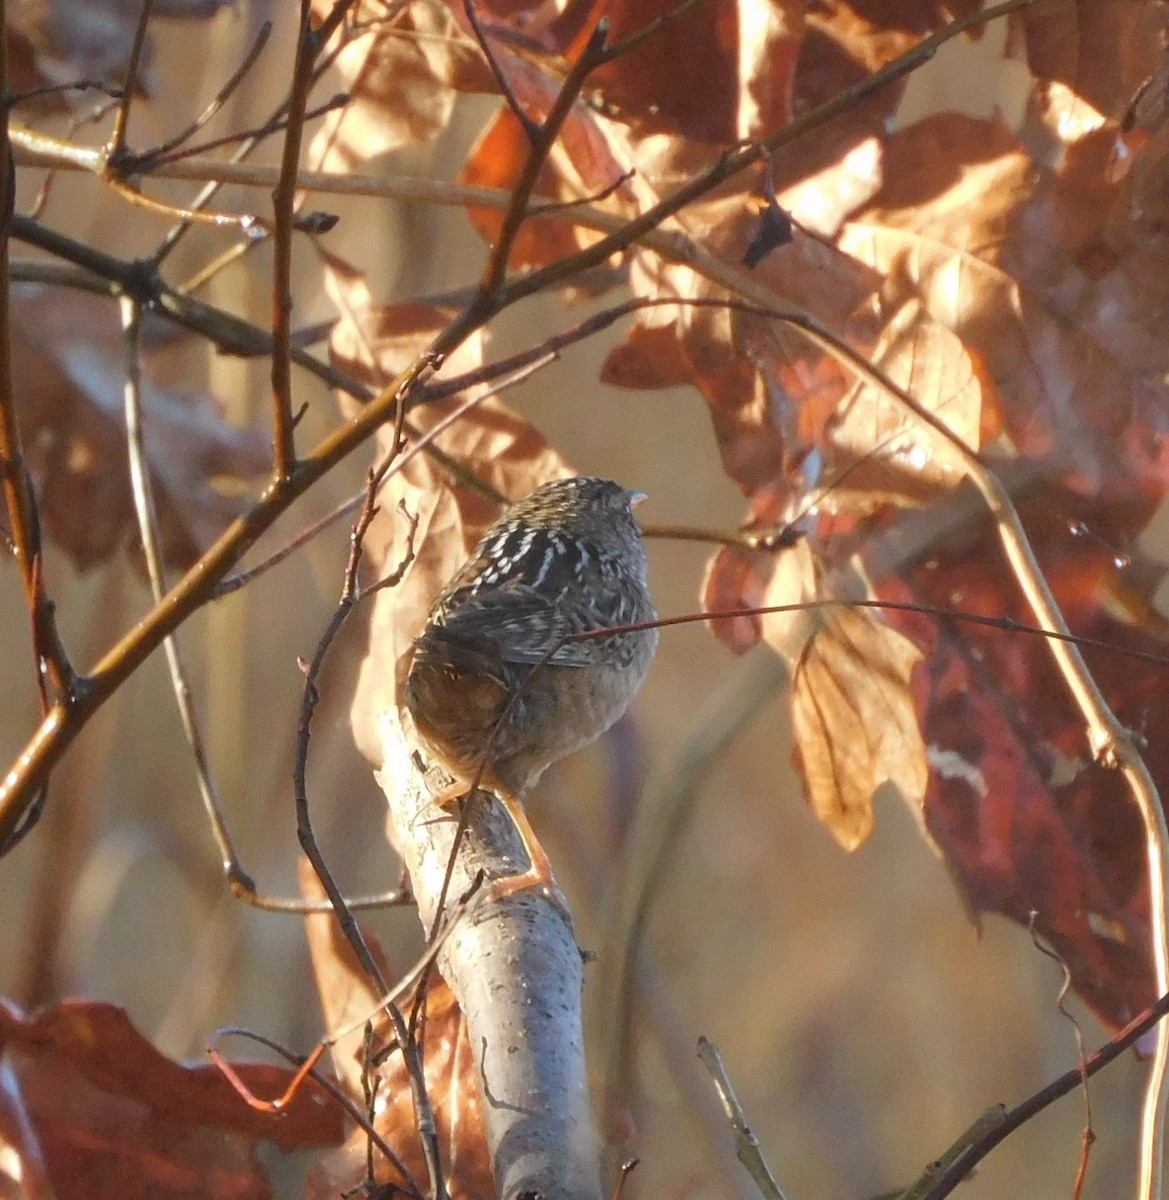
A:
(242, 151)
(248, 222)
(394, 464)
(1110, 742)
(283, 202)
(1088, 1134)
(54, 673)
(158, 153)
(1067, 1082)
(240, 882)
(117, 144)
(530, 127)
(746, 1143)
(229, 333)
(517, 212)
(985, 1123)
(146, 513)
(151, 161)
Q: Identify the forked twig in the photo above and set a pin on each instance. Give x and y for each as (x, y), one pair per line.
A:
(985, 1123)
(1067, 1082)
(146, 513)
(423, 1109)
(517, 212)
(211, 110)
(281, 1102)
(240, 882)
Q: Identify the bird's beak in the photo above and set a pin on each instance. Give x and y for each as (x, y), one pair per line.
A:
(635, 498)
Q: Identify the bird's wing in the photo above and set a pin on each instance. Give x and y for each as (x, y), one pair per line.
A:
(526, 624)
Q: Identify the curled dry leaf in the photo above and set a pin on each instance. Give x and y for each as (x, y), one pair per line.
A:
(854, 717)
(451, 1070)
(99, 1113)
(402, 66)
(69, 373)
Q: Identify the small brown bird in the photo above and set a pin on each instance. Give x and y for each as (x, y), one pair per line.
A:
(494, 685)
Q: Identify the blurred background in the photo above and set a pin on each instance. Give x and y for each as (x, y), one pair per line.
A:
(864, 1021)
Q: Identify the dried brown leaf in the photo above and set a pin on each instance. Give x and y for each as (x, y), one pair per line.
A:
(1101, 49)
(1007, 257)
(450, 1068)
(649, 358)
(855, 722)
(402, 71)
(68, 364)
(102, 1113)
(716, 74)
(1025, 816)
(496, 162)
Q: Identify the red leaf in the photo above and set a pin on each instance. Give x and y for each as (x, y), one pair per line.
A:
(111, 1116)
(1025, 818)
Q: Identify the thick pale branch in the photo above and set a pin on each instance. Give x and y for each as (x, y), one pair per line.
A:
(516, 970)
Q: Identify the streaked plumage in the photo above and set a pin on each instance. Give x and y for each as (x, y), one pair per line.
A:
(567, 559)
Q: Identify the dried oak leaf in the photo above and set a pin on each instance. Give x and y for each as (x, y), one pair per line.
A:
(749, 366)
(68, 367)
(402, 66)
(450, 1067)
(1025, 817)
(854, 719)
(98, 1112)
(1101, 49)
(717, 73)
(1036, 272)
